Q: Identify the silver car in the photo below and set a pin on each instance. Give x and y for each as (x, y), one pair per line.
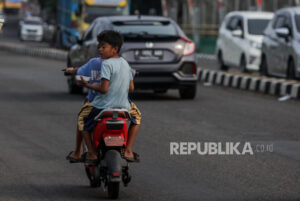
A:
(281, 45)
(2, 20)
(155, 47)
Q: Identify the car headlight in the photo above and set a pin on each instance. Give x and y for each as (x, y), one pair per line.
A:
(255, 44)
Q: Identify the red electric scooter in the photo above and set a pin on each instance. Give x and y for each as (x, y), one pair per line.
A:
(109, 139)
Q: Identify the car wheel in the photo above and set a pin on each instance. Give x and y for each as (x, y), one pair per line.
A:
(222, 66)
(243, 64)
(264, 66)
(291, 70)
(188, 92)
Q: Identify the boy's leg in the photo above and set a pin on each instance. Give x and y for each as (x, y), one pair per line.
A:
(91, 155)
(133, 129)
(78, 147)
(132, 133)
(89, 125)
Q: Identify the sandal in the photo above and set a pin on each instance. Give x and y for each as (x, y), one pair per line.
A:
(136, 158)
(72, 159)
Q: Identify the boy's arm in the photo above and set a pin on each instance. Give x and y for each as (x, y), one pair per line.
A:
(131, 85)
(72, 70)
(102, 87)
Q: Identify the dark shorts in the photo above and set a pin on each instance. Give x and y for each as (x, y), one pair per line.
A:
(91, 112)
(89, 120)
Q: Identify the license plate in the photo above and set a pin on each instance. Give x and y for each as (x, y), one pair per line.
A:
(114, 141)
(148, 54)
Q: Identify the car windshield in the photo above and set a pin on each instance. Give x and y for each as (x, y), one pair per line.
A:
(31, 22)
(257, 26)
(297, 20)
(146, 29)
(92, 12)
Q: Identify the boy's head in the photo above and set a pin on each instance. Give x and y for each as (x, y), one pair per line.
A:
(110, 43)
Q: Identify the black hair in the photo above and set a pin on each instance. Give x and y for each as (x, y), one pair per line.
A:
(111, 37)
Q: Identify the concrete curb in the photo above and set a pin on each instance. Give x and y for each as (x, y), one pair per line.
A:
(34, 51)
(272, 86)
(210, 57)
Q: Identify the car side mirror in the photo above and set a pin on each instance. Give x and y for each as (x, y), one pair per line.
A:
(282, 32)
(237, 33)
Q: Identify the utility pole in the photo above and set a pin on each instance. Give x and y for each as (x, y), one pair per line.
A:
(221, 11)
(195, 16)
(164, 7)
(259, 5)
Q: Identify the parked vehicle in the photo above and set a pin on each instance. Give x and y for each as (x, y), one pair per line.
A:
(2, 16)
(11, 6)
(156, 47)
(240, 38)
(75, 16)
(280, 47)
(2, 20)
(31, 29)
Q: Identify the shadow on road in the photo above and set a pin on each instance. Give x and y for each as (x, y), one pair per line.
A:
(39, 97)
(150, 96)
(53, 192)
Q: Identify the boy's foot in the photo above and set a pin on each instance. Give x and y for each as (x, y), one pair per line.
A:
(73, 158)
(131, 156)
(91, 159)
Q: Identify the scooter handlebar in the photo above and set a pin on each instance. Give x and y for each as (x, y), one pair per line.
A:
(65, 72)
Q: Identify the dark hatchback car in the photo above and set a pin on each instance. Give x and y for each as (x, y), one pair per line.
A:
(155, 47)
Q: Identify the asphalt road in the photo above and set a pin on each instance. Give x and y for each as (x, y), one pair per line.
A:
(38, 120)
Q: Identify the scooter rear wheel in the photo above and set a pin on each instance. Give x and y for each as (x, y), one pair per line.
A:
(113, 190)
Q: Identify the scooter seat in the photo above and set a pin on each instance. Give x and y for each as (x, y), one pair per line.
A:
(113, 114)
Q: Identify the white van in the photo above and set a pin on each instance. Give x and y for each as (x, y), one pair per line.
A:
(240, 39)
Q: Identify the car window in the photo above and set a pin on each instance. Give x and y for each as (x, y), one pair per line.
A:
(279, 21)
(239, 24)
(32, 22)
(99, 27)
(150, 28)
(297, 21)
(89, 33)
(232, 23)
(229, 22)
(257, 26)
(235, 23)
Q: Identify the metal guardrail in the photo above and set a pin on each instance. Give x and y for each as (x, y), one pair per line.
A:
(210, 30)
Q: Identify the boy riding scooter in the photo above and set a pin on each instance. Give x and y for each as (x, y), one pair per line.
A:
(108, 49)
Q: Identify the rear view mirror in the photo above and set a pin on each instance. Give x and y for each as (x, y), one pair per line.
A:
(282, 32)
(237, 33)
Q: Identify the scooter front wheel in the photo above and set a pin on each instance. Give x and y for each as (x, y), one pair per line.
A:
(113, 190)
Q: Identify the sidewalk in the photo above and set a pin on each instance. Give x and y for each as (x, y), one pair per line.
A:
(45, 52)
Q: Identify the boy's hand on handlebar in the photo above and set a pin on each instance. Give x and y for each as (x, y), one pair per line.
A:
(71, 70)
